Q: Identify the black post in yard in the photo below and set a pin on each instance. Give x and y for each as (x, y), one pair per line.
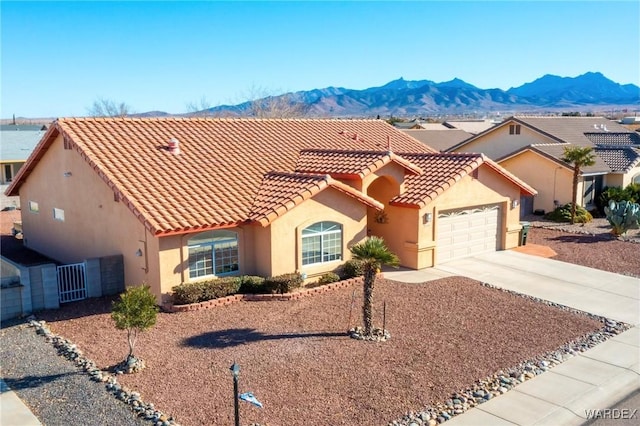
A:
(384, 317)
(235, 370)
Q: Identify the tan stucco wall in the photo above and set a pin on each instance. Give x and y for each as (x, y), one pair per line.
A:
(275, 249)
(329, 205)
(628, 177)
(489, 188)
(173, 257)
(392, 171)
(550, 179)
(86, 201)
(15, 167)
(499, 143)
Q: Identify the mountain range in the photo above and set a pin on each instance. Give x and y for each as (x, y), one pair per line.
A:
(424, 97)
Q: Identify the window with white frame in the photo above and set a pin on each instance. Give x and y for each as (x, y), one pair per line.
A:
(321, 242)
(33, 207)
(213, 253)
(636, 179)
(58, 214)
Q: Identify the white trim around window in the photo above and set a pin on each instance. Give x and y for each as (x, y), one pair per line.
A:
(321, 243)
(33, 207)
(58, 214)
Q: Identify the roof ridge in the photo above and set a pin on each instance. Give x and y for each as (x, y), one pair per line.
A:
(229, 119)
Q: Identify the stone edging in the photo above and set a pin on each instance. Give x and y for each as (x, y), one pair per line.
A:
(70, 351)
(228, 300)
(503, 381)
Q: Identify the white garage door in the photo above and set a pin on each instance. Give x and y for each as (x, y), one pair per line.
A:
(463, 233)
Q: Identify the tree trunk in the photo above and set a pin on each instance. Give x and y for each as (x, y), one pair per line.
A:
(367, 305)
(131, 336)
(576, 175)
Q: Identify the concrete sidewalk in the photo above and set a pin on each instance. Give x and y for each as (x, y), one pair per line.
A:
(13, 412)
(595, 379)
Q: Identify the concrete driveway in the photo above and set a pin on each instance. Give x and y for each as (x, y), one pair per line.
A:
(594, 380)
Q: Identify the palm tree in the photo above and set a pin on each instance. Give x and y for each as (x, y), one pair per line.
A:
(578, 157)
(373, 253)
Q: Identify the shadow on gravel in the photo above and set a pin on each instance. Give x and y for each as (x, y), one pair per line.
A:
(582, 238)
(83, 308)
(27, 382)
(240, 336)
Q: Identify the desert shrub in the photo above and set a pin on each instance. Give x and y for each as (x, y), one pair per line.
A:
(622, 216)
(251, 284)
(328, 278)
(220, 287)
(201, 291)
(284, 283)
(135, 311)
(351, 269)
(186, 293)
(629, 193)
(563, 214)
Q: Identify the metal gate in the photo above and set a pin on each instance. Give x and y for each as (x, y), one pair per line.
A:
(72, 282)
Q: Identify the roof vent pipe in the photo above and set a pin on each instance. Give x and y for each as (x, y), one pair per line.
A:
(174, 146)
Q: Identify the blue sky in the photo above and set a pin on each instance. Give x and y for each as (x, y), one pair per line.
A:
(59, 57)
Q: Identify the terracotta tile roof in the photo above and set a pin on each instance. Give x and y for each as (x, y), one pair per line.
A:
(343, 164)
(214, 180)
(619, 159)
(281, 192)
(442, 171)
(618, 138)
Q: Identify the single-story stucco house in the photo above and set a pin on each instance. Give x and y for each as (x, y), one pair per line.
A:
(185, 199)
(532, 149)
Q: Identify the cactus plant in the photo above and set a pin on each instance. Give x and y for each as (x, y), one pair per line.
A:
(623, 215)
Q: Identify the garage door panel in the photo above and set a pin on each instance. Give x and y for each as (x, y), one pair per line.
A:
(466, 233)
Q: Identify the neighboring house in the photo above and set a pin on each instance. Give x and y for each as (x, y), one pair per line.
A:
(187, 199)
(532, 147)
(16, 144)
(471, 126)
(440, 139)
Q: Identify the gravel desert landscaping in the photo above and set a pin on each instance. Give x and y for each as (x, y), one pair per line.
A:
(297, 359)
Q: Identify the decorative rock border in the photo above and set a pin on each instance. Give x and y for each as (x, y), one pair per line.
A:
(503, 381)
(70, 351)
(228, 300)
(481, 391)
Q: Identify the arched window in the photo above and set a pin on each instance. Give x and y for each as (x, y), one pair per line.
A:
(636, 178)
(213, 253)
(321, 242)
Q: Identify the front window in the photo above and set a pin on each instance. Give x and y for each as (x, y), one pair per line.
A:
(213, 253)
(321, 242)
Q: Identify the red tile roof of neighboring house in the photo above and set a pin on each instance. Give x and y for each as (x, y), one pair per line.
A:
(442, 171)
(215, 178)
(281, 192)
(343, 164)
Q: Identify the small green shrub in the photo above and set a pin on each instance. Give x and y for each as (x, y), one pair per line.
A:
(187, 293)
(328, 278)
(135, 311)
(563, 214)
(251, 284)
(615, 193)
(201, 291)
(284, 283)
(351, 269)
